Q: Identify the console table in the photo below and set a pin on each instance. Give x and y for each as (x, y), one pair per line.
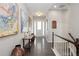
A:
(29, 38)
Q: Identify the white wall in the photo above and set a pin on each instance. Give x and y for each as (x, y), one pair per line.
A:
(74, 20)
(60, 17)
(9, 42)
(74, 23)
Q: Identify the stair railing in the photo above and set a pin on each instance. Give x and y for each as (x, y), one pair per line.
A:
(75, 42)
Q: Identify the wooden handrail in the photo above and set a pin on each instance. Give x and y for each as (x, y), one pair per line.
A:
(72, 37)
(64, 39)
(76, 44)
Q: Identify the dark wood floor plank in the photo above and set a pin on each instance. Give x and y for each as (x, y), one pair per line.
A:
(40, 47)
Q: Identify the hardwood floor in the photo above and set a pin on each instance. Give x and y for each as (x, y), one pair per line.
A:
(40, 47)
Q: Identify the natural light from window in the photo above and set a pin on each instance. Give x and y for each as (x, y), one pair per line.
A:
(39, 25)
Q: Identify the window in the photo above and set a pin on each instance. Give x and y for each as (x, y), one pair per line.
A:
(43, 27)
(39, 25)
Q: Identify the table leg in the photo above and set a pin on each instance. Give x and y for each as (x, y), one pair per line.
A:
(23, 43)
(29, 43)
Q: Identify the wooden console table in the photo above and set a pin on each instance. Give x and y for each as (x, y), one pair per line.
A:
(29, 38)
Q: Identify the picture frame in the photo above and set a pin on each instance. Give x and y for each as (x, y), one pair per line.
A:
(8, 19)
(54, 24)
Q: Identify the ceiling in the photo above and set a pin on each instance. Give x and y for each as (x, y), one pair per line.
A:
(38, 7)
(42, 7)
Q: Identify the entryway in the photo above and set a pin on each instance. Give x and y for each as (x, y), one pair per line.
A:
(40, 27)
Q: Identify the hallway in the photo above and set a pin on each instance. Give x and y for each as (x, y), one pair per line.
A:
(26, 21)
(40, 47)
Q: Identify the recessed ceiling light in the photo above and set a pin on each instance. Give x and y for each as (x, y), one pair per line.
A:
(55, 6)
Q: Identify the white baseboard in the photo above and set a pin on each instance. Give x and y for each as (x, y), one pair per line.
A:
(55, 51)
(48, 41)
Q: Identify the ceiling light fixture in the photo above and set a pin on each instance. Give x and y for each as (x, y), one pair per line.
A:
(39, 13)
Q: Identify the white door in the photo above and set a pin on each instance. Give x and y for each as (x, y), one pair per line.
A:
(39, 27)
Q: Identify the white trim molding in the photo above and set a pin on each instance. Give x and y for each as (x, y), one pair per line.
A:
(55, 51)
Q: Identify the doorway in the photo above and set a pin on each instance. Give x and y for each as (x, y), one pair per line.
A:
(39, 27)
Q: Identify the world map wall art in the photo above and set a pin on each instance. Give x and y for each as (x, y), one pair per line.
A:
(8, 19)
